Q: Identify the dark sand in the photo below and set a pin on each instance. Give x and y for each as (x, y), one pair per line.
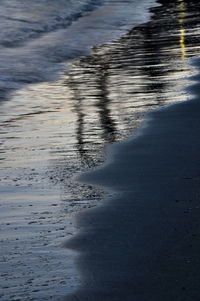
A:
(144, 244)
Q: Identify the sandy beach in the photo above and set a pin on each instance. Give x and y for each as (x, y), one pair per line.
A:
(136, 237)
(144, 243)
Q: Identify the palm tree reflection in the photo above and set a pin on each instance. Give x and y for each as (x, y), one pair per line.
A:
(93, 72)
(139, 72)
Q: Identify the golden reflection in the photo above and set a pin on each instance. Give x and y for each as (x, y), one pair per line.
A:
(182, 30)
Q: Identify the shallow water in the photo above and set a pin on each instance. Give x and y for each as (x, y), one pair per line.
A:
(53, 131)
(36, 37)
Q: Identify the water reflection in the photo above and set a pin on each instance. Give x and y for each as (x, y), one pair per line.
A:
(182, 14)
(98, 71)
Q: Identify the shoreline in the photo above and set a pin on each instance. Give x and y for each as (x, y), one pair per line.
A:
(143, 243)
(49, 52)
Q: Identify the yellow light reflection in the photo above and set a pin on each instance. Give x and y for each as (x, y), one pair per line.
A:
(182, 30)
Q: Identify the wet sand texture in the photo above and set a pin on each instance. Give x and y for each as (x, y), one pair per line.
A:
(144, 243)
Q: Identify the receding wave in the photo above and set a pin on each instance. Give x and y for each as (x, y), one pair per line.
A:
(37, 37)
(24, 20)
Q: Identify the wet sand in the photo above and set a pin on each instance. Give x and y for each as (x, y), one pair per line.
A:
(143, 244)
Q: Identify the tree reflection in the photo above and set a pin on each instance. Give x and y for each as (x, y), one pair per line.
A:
(118, 82)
